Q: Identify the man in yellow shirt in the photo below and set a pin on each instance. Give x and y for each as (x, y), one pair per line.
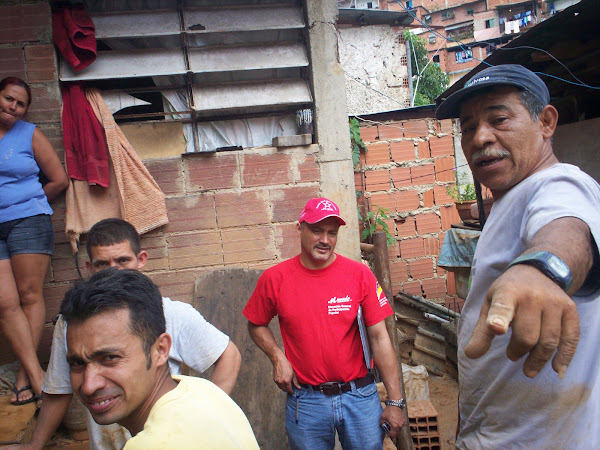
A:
(118, 354)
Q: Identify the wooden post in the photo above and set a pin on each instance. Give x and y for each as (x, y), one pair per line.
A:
(382, 273)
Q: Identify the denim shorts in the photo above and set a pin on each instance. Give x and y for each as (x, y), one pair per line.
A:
(33, 234)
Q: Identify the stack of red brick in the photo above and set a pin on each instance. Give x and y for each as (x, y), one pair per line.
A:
(406, 170)
(423, 422)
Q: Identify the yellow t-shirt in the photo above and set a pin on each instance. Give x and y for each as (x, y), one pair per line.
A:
(196, 414)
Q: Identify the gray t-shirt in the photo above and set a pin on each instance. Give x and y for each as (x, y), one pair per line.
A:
(195, 342)
(499, 406)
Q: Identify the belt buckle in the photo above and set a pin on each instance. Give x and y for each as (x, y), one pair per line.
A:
(330, 388)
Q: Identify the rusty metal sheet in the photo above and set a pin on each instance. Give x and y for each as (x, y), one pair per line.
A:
(251, 18)
(220, 98)
(244, 57)
(136, 24)
(128, 64)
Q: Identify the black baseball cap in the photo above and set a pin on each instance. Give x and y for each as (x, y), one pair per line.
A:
(503, 74)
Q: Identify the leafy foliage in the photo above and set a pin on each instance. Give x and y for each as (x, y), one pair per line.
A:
(428, 79)
(356, 141)
(463, 191)
(374, 220)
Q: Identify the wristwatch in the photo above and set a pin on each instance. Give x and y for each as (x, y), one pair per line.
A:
(397, 403)
(550, 265)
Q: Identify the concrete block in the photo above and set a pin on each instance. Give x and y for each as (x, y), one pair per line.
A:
(428, 223)
(403, 151)
(378, 154)
(401, 176)
(412, 248)
(241, 209)
(261, 170)
(295, 140)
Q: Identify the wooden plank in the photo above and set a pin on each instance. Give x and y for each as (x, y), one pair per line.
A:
(220, 297)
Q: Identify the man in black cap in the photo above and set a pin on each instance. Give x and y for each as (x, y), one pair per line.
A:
(535, 271)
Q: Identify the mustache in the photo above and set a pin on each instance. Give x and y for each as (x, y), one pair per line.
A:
(488, 153)
(322, 246)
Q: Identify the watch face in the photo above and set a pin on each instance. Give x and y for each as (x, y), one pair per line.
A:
(558, 266)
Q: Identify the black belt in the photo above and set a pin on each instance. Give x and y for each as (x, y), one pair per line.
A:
(335, 388)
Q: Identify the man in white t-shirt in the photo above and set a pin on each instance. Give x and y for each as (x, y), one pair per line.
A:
(534, 293)
(115, 243)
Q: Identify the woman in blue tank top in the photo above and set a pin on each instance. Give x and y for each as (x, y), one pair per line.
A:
(26, 232)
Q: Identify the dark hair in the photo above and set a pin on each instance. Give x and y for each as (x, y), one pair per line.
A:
(18, 82)
(110, 232)
(113, 289)
(532, 104)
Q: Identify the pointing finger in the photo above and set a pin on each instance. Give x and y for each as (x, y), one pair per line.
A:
(495, 317)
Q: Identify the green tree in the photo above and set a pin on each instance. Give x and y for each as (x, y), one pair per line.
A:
(427, 78)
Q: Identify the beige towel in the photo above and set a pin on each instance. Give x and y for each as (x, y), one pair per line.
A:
(132, 194)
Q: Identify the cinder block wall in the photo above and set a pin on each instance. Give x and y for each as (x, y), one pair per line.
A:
(406, 170)
(231, 209)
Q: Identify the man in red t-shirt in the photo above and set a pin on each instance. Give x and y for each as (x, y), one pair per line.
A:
(316, 296)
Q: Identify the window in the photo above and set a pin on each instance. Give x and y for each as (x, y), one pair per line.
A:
(464, 56)
(409, 4)
(447, 15)
(432, 38)
(436, 59)
(427, 18)
(489, 23)
(470, 11)
(214, 69)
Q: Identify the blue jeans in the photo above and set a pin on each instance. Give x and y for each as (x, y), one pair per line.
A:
(311, 419)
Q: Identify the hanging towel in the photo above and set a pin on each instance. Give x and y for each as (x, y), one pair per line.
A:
(74, 34)
(132, 195)
(87, 204)
(86, 152)
(143, 203)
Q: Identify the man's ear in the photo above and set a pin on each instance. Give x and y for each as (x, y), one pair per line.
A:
(142, 258)
(161, 349)
(298, 228)
(88, 265)
(548, 120)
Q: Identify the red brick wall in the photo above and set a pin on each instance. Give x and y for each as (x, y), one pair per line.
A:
(225, 209)
(406, 170)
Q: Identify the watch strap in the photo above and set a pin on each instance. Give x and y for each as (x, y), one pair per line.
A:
(541, 261)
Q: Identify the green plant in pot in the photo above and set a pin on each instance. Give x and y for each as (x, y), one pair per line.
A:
(463, 193)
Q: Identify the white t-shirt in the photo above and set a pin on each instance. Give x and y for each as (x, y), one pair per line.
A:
(196, 342)
(499, 406)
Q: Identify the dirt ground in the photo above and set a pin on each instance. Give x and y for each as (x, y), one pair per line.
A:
(443, 393)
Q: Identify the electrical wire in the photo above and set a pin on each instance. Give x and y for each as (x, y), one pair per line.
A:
(464, 48)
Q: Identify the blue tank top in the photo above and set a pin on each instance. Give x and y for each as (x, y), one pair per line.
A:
(21, 193)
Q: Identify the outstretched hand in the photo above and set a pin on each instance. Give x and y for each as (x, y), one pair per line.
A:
(544, 321)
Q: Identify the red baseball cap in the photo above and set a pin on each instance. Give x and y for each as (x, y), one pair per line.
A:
(317, 209)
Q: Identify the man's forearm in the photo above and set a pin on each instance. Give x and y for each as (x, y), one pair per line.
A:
(227, 368)
(53, 410)
(385, 359)
(265, 340)
(570, 239)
